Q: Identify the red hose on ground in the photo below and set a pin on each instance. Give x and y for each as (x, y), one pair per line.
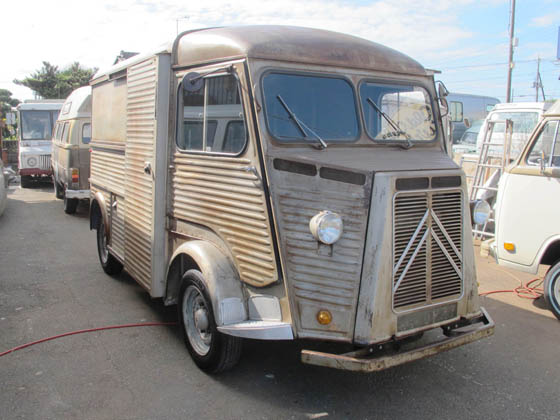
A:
(524, 290)
(109, 327)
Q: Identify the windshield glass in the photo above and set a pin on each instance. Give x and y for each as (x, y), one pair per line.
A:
(523, 122)
(408, 107)
(320, 106)
(36, 125)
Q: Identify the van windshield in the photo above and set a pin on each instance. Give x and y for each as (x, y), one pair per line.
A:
(308, 107)
(395, 112)
(37, 125)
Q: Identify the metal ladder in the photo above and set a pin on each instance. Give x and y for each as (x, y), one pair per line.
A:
(490, 165)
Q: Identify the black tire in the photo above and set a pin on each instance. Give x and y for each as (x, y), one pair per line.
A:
(211, 350)
(552, 289)
(110, 264)
(25, 181)
(58, 190)
(70, 205)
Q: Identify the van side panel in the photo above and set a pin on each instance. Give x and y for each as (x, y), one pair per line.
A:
(140, 150)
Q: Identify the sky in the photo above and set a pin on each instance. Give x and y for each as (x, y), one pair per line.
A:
(467, 40)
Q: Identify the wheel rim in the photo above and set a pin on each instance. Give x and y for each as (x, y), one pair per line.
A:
(556, 289)
(196, 320)
(103, 251)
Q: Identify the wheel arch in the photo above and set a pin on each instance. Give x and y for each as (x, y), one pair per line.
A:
(98, 213)
(550, 252)
(220, 277)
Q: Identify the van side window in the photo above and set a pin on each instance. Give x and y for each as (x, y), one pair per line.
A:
(207, 114)
(547, 145)
(456, 111)
(86, 133)
(65, 131)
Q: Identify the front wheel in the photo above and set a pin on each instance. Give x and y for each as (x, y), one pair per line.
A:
(211, 350)
(110, 264)
(552, 289)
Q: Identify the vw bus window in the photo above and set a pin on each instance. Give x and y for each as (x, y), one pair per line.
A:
(213, 106)
(547, 141)
(303, 108)
(397, 112)
(86, 133)
(65, 131)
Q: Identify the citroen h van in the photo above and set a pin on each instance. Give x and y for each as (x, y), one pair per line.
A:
(282, 183)
(70, 149)
(36, 121)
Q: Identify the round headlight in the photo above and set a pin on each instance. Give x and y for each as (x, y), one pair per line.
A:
(326, 227)
(481, 212)
(31, 162)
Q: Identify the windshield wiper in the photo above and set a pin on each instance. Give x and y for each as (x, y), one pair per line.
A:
(300, 125)
(398, 131)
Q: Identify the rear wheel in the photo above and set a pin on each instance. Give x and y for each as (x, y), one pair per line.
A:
(109, 263)
(211, 350)
(70, 205)
(552, 289)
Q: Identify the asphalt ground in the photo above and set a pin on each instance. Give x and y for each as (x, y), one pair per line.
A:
(51, 282)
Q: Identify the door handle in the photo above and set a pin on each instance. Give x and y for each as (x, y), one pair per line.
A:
(147, 168)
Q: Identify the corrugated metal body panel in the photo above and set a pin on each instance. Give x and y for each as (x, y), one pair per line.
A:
(227, 197)
(320, 276)
(140, 146)
(107, 169)
(427, 248)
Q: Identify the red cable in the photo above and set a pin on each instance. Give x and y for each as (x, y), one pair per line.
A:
(524, 290)
(110, 327)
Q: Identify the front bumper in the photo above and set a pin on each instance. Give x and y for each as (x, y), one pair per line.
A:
(35, 171)
(365, 359)
(79, 194)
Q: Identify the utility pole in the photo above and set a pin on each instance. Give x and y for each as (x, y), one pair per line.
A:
(538, 82)
(510, 65)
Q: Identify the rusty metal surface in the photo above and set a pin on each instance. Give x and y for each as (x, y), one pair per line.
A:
(358, 361)
(320, 276)
(291, 43)
(140, 145)
(221, 194)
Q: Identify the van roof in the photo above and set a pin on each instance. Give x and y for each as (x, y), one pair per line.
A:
(77, 105)
(41, 105)
(541, 106)
(281, 43)
(554, 109)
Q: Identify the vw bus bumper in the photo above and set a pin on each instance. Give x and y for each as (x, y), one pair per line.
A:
(375, 358)
(79, 194)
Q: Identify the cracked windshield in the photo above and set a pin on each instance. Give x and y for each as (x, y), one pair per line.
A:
(397, 112)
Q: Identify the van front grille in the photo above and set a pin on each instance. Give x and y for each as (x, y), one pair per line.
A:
(45, 162)
(427, 248)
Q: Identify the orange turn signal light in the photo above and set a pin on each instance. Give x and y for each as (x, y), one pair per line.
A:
(75, 175)
(508, 246)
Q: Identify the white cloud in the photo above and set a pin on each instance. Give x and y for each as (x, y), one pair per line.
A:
(547, 20)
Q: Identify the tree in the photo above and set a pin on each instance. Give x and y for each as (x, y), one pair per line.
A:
(51, 83)
(6, 104)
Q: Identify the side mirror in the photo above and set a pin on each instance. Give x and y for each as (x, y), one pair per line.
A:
(442, 90)
(442, 93)
(467, 123)
(193, 82)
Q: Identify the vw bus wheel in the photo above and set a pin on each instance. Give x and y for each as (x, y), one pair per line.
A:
(552, 289)
(58, 191)
(211, 350)
(70, 205)
(109, 263)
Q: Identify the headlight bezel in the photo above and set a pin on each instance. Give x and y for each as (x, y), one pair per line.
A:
(481, 211)
(326, 227)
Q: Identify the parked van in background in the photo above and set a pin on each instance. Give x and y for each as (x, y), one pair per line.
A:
(70, 149)
(527, 219)
(471, 107)
(282, 183)
(36, 121)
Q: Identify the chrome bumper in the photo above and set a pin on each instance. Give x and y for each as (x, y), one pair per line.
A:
(365, 360)
(80, 194)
